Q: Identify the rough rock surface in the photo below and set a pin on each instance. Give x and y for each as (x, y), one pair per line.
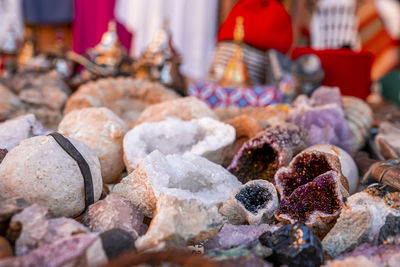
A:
(387, 140)
(77, 250)
(13, 131)
(361, 220)
(252, 203)
(178, 221)
(102, 131)
(38, 229)
(369, 256)
(114, 212)
(323, 116)
(204, 137)
(312, 190)
(263, 155)
(126, 97)
(185, 108)
(293, 245)
(42, 172)
(235, 235)
(348, 166)
(184, 176)
(9, 207)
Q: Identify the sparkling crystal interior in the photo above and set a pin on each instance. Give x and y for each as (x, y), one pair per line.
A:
(257, 163)
(305, 169)
(317, 195)
(254, 197)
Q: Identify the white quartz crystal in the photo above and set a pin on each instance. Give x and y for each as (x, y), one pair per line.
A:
(185, 176)
(206, 137)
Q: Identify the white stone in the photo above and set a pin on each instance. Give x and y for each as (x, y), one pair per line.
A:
(40, 171)
(206, 137)
(102, 131)
(184, 176)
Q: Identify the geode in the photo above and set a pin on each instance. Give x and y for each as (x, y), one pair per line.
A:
(178, 221)
(293, 245)
(42, 172)
(362, 219)
(263, 155)
(102, 131)
(204, 137)
(114, 212)
(312, 190)
(184, 176)
(252, 203)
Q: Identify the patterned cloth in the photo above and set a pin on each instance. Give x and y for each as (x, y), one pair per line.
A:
(222, 97)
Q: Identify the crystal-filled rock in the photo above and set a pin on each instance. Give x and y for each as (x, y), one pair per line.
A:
(252, 203)
(312, 190)
(184, 176)
(42, 172)
(263, 155)
(204, 137)
(102, 131)
(179, 220)
(293, 245)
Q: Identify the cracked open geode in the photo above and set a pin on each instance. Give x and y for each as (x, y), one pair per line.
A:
(252, 203)
(263, 155)
(312, 189)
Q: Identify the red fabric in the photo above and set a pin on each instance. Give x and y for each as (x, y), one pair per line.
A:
(266, 24)
(91, 21)
(346, 69)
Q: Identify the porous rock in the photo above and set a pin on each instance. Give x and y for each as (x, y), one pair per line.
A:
(235, 235)
(184, 176)
(348, 166)
(293, 245)
(263, 155)
(204, 137)
(42, 172)
(114, 212)
(312, 190)
(126, 97)
(13, 131)
(177, 221)
(38, 229)
(185, 108)
(361, 219)
(102, 131)
(77, 250)
(252, 203)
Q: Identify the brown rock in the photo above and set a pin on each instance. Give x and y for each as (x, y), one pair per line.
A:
(9, 103)
(186, 108)
(5, 248)
(9, 207)
(387, 140)
(114, 212)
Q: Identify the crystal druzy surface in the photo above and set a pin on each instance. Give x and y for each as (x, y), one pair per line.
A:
(254, 197)
(304, 170)
(318, 195)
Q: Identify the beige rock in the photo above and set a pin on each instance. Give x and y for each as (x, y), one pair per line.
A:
(185, 176)
(102, 131)
(186, 108)
(253, 203)
(359, 261)
(204, 137)
(178, 221)
(42, 172)
(126, 97)
(9, 103)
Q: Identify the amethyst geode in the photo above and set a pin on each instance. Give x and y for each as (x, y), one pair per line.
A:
(312, 190)
(263, 155)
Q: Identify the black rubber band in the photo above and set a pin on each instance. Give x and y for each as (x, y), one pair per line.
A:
(83, 166)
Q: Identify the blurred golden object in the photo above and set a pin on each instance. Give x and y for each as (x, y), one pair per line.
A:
(109, 51)
(236, 70)
(28, 49)
(160, 62)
